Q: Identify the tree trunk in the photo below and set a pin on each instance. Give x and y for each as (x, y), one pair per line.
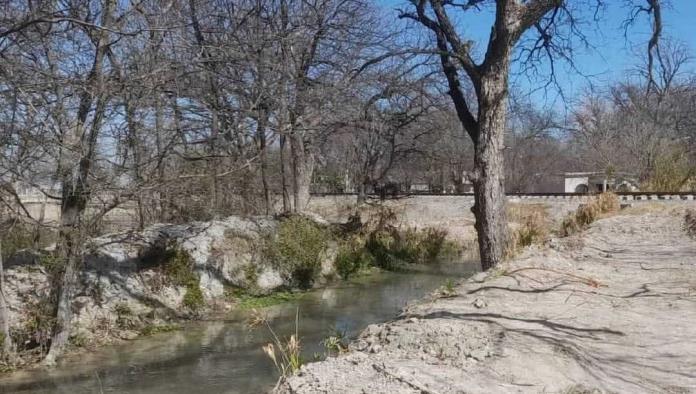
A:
(489, 173)
(7, 345)
(302, 169)
(263, 157)
(74, 203)
(362, 192)
(287, 203)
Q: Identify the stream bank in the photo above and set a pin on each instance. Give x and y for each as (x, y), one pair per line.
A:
(225, 355)
(150, 281)
(610, 309)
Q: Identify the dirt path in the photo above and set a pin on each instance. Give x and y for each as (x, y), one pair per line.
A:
(611, 310)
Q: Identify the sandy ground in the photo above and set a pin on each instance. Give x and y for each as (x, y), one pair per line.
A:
(610, 310)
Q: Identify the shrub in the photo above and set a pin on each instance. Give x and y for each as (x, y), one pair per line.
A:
(298, 249)
(17, 238)
(352, 257)
(178, 267)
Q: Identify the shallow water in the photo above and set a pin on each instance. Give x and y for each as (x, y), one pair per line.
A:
(225, 356)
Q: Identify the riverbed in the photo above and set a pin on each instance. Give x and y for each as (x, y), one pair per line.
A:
(225, 356)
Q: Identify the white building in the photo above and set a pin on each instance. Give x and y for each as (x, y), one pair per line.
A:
(597, 182)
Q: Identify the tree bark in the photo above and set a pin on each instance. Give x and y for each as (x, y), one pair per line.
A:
(75, 187)
(287, 203)
(302, 169)
(489, 173)
(7, 345)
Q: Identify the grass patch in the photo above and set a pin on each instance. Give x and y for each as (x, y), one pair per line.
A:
(530, 225)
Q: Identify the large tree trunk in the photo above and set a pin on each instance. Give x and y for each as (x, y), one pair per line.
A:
(302, 169)
(7, 345)
(73, 205)
(76, 165)
(489, 173)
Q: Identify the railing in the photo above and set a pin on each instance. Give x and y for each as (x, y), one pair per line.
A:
(624, 196)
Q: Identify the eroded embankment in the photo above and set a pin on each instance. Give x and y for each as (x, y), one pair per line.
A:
(612, 309)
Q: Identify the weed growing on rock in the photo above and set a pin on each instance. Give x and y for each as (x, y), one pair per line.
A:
(193, 298)
(298, 248)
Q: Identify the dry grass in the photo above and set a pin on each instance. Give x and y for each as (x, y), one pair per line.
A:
(690, 222)
(586, 214)
(529, 224)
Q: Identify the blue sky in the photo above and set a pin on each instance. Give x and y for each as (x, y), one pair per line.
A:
(612, 56)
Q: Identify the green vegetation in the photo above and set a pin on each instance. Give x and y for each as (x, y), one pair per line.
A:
(352, 257)
(297, 249)
(178, 268)
(19, 236)
(392, 248)
(335, 343)
(152, 329)
(588, 213)
(193, 298)
(447, 290)
(249, 301)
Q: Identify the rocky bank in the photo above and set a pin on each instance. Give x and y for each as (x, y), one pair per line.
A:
(612, 309)
(124, 285)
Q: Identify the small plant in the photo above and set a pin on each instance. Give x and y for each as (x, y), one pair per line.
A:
(335, 343)
(447, 290)
(285, 354)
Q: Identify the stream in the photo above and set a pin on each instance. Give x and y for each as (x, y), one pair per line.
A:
(225, 356)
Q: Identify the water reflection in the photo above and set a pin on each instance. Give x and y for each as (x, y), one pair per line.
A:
(226, 357)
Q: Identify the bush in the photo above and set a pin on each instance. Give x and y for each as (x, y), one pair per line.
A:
(390, 247)
(352, 257)
(178, 267)
(298, 249)
(17, 238)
